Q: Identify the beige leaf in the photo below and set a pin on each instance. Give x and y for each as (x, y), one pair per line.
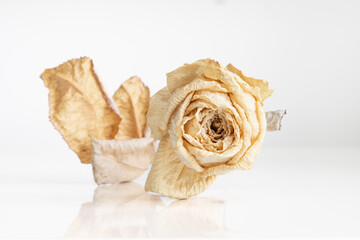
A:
(273, 119)
(132, 100)
(79, 106)
(170, 177)
(117, 161)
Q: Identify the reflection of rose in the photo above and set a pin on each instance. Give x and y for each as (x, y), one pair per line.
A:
(210, 120)
(193, 218)
(126, 210)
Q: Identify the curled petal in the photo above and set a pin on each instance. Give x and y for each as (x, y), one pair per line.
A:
(180, 94)
(263, 86)
(117, 161)
(245, 99)
(177, 141)
(187, 73)
(171, 177)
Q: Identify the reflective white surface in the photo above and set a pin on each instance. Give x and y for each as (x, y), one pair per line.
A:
(298, 192)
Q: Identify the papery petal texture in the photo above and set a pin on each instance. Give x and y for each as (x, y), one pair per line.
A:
(171, 177)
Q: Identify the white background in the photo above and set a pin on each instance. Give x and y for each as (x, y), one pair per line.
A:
(309, 51)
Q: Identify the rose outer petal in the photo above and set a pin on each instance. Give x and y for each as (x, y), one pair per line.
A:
(263, 86)
(176, 138)
(171, 177)
(156, 111)
(187, 73)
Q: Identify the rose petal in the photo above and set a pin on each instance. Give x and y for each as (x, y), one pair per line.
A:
(156, 112)
(121, 160)
(175, 132)
(171, 177)
(187, 73)
(180, 94)
(265, 92)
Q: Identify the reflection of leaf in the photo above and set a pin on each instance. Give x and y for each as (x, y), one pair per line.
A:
(118, 210)
(79, 107)
(132, 100)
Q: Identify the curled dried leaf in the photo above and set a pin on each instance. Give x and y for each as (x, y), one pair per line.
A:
(273, 119)
(132, 100)
(121, 160)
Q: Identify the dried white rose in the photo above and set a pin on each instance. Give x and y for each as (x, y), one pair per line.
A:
(210, 121)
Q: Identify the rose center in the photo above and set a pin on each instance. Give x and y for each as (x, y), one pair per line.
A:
(217, 126)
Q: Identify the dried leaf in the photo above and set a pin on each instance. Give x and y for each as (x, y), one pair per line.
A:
(132, 100)
(79, 106)
(121, 160)
(273, 119)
